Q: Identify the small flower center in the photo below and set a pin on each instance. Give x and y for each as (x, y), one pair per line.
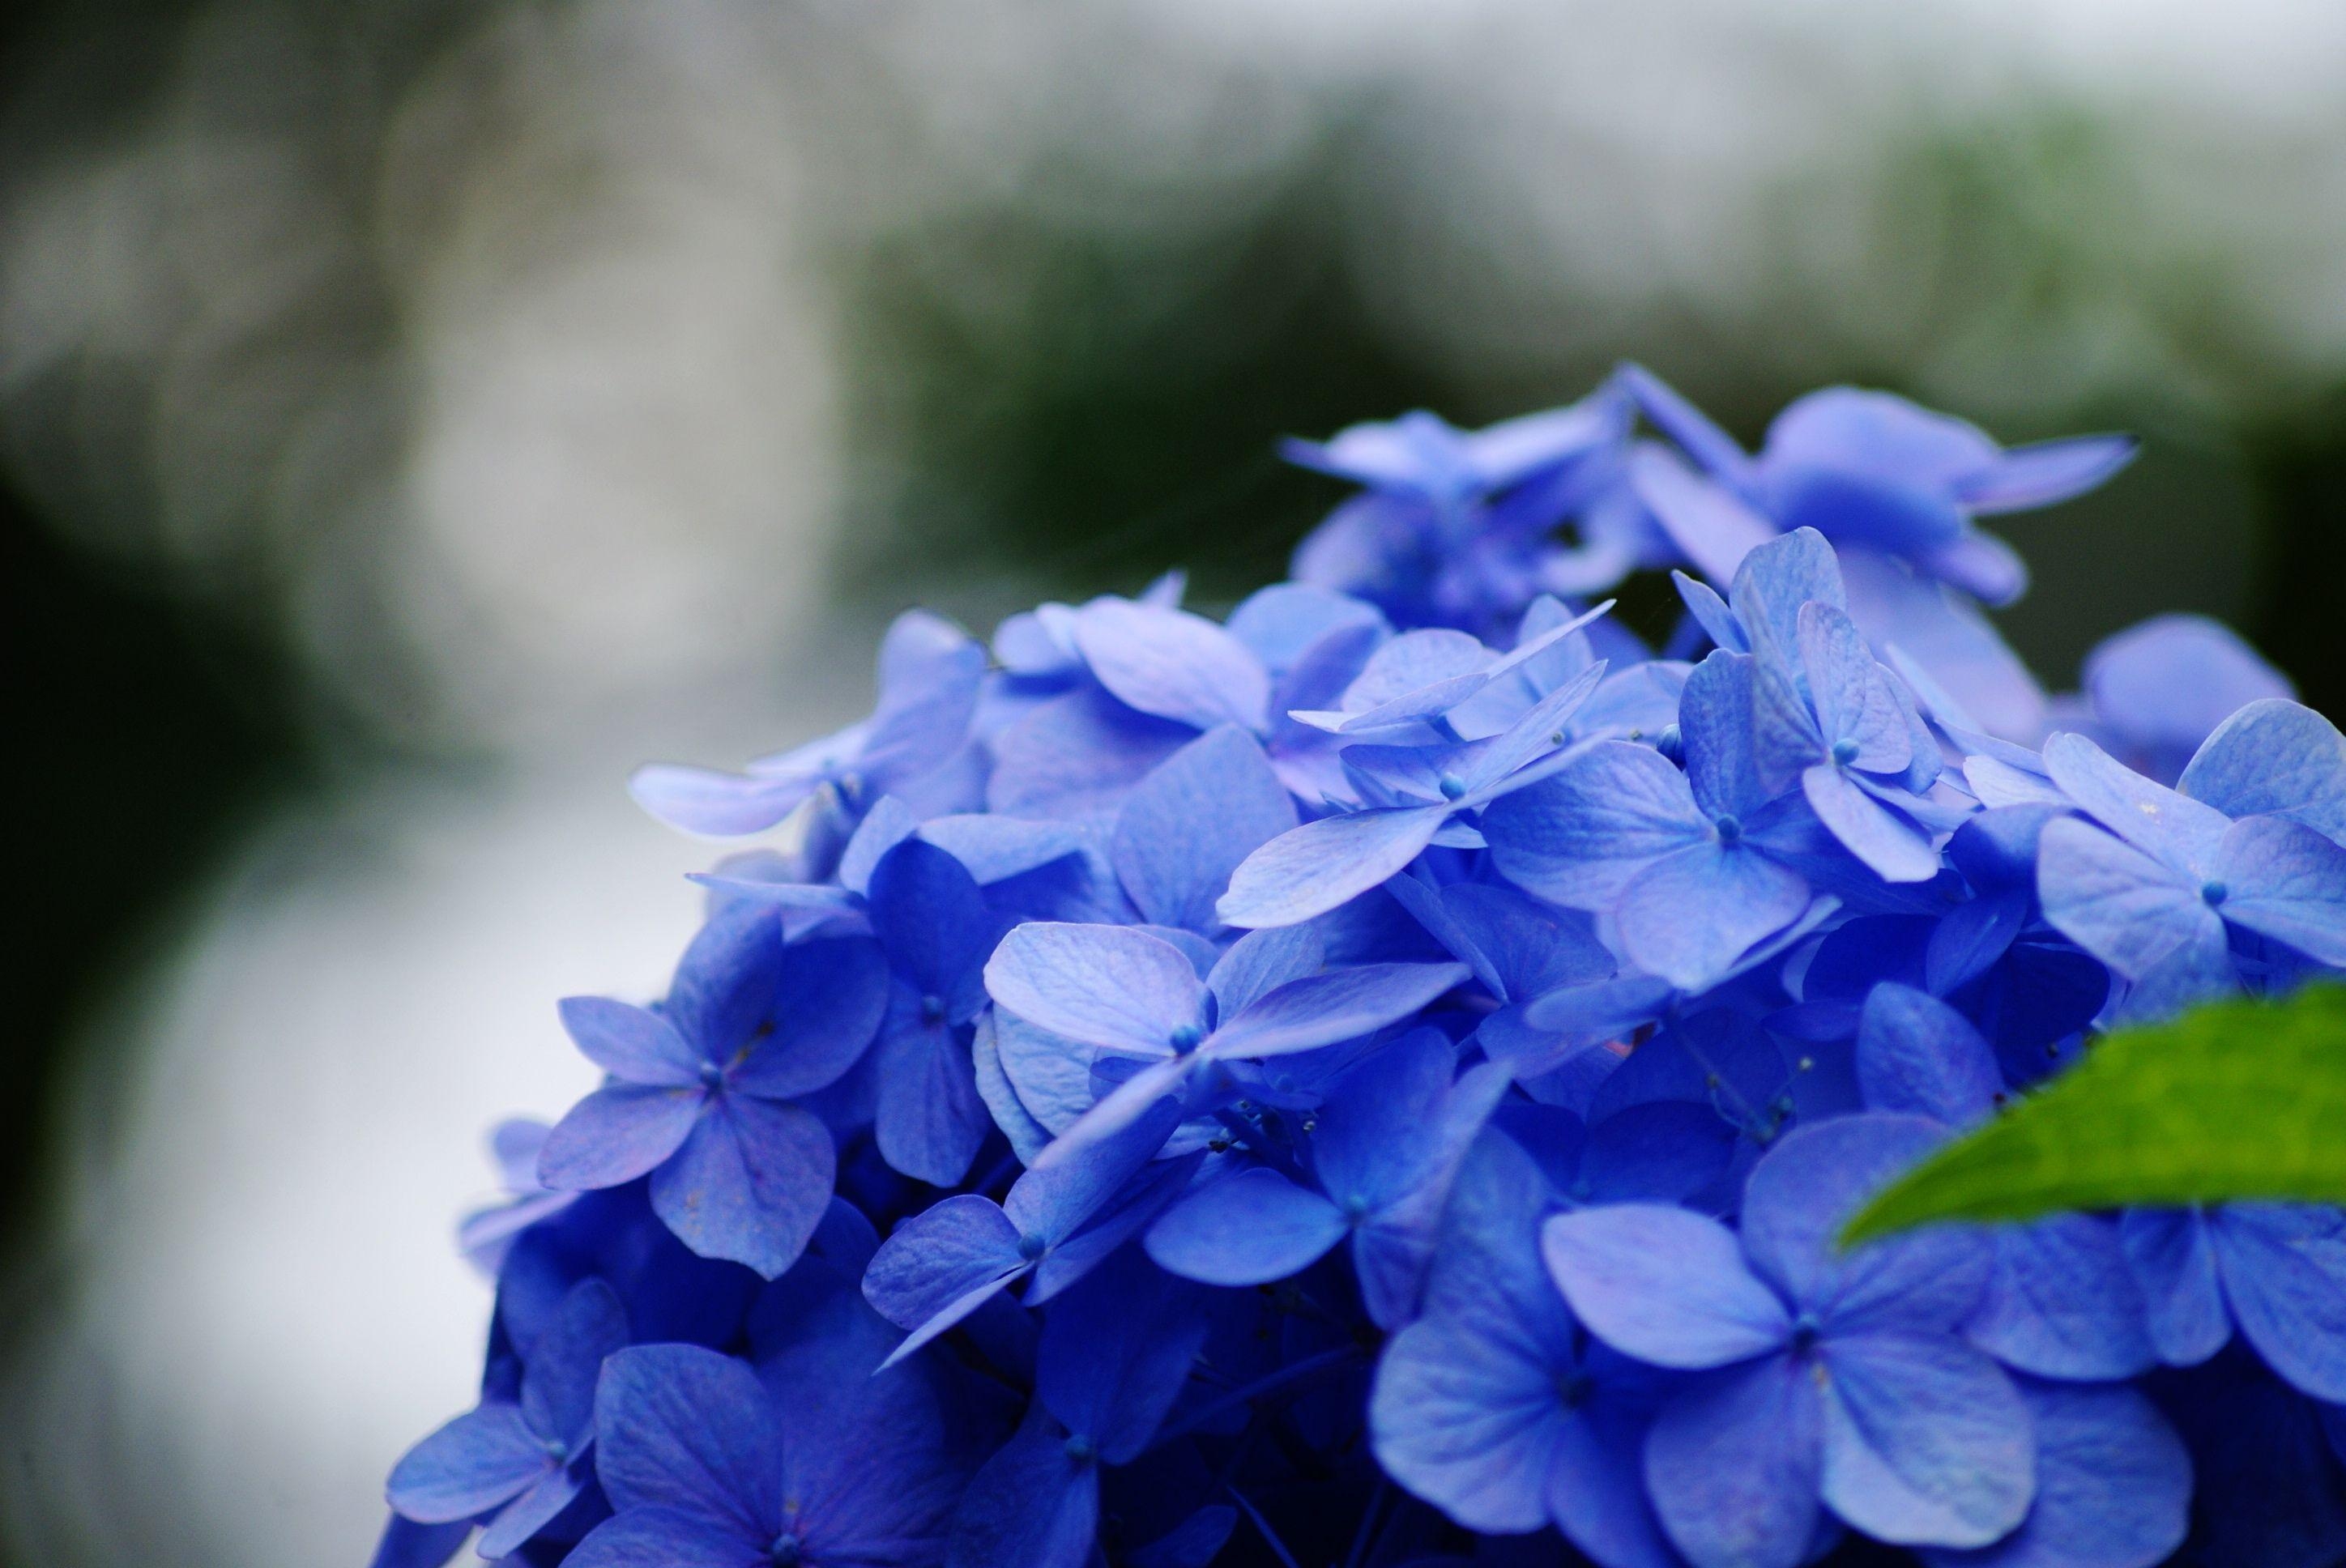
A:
(1729, 828)
(787, 1552)
(711, 1074)
(557, 1451)
(1806, 1331)
(1845, 752)
(1453, 787)
(2213, 894)
(933, 1009)
(1670, 743)
(1356, 1207)
(1032, 1246)
(1187, 1038)
(1080, 1449)
(1573, 1389)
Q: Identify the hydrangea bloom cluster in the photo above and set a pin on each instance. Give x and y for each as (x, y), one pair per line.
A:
(1374, 1079)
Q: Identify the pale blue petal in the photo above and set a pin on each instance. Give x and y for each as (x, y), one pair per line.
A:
(2023, 478)
(629, 1043)
(1581, 836)
(2273, 756)
(1189, 824)
(1323, 864)
(2285, 881)
(1172, 663)
(2284, 1270)
(2176, 830)
(1926, 1441)
(1333, 1007)
(678, 1427)
(717, 805)
(1690, 915)
(1896, 850)
(2131, 911)
(1261, 961)
(1108, 986)
(1734, 1465)
(2062, 1303)
(1664, 1285)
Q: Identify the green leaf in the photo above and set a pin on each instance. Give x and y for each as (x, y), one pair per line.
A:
(2238, 1100)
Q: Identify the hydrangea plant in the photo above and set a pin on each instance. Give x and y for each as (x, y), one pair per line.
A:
(1379, 1078)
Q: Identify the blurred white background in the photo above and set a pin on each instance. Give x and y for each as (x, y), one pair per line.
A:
(543, 387)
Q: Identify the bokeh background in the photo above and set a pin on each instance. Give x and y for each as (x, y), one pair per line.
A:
(414, 411)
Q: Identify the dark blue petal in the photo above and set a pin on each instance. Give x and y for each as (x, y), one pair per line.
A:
(1115, 1352)
(931, 1117)
(828, 997)
(666, 1538)
(558, 1387)
(932, 919)
(678, 1428)
(1032, 1503)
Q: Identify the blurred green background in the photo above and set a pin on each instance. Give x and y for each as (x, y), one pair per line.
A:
(411, 413)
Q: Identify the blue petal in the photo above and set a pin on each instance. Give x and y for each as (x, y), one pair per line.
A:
(932, 919)
(2274, 757)
(717, 805)
(725, 982)
(1690, 915)
(1581, 836)
(1807, 1187)
(1076, 754)
(1792, 569)
(1464, 1411)
(2285, 881)
(666, 1538)
(680, 1427)
(535, 1509)
(404, 1543)
(1260, 961)
(750, 1185)
(2131, 911)
(616, 1135)
(2026, 477)
(2061, 1302)
(1117, 1351)
(1893, 847)
(1854, 702)
(2113, 1486)
(1377, 1134)
(1926, 1441)
(831, 994)
(2173, 1261)
(1330, 1008)
(1250, 1228)
(1734, 1465)
(931, 1118)
(940, 1265)
(2284, 1270)
(1715, 719)
(1192, 821)
(1323, 864)
(2176, 830)
(479, 1461)
(929, 674)
(1664, 1284)
(1715, 531)
(1172, 663)
(558, 1387)
(1032, 1504)
(628, 1042)
(1914, 1052)
(1104, 986)
(1683, 423)
(1710, 612)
